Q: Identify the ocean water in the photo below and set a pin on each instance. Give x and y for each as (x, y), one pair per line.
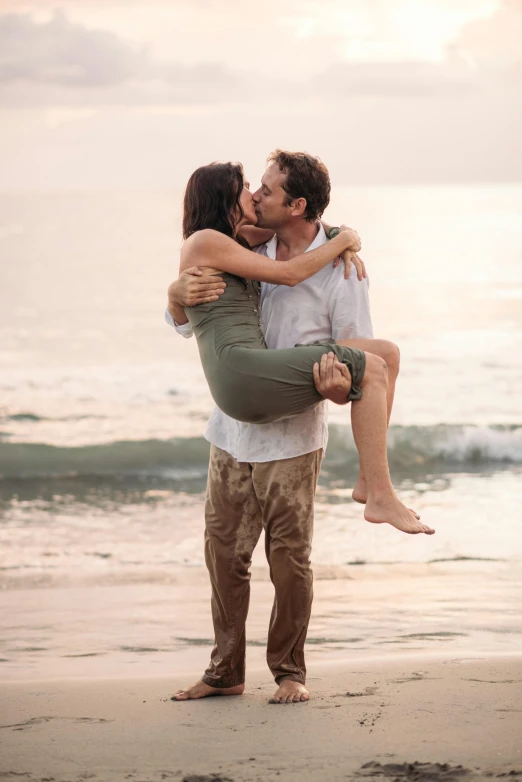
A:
(103, 407)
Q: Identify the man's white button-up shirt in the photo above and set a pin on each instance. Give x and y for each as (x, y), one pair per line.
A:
(322, 308)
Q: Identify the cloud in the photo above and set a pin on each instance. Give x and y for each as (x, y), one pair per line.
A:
(59, 62)
(401, 79)
(134, 109)
(485, 56)
(62, 63)
(60, 52)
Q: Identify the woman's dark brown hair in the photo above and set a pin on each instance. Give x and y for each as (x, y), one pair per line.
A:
(212, 199)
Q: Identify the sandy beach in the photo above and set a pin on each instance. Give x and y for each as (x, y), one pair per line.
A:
(407, 665)
(411, 718)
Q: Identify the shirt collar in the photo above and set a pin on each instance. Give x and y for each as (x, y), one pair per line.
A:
(271, 247)
(320, 239)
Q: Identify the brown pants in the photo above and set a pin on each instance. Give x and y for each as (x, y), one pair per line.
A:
(241, 499)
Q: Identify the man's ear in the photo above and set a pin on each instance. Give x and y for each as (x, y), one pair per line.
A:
(299, 207)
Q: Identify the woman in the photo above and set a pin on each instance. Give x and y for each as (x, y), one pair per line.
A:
(254, 384)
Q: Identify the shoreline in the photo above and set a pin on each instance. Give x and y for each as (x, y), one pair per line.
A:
(153, 627)
(105, 573)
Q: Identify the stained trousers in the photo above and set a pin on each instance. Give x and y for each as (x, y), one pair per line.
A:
(241, 500)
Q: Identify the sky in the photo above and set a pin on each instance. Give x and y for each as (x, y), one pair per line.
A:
(138, 93)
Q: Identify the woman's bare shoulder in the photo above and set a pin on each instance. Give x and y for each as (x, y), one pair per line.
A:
(206, 238)
(201, 247)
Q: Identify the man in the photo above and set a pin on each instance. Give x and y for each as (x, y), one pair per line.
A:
(265, 475)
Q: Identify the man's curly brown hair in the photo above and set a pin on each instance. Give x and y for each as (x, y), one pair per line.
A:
(306, 177)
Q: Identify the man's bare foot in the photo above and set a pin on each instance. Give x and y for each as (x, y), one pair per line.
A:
(290, 692)
(392, 511)
(360, 494)
(202, 690)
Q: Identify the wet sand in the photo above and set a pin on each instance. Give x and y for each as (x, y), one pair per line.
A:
(415, 673)
(104, 625)
(397, 719)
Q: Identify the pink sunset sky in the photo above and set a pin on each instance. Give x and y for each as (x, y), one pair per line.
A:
(128, 93)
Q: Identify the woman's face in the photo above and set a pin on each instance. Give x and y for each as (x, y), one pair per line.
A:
(247, 205)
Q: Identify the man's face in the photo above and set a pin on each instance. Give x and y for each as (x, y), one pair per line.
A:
(270, 200)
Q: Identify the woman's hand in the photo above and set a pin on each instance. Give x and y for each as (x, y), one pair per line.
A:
(350, 256)
(351, 259)
(351, 237)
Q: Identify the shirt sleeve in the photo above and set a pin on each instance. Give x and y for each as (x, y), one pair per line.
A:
(184, 329)
(350, 307)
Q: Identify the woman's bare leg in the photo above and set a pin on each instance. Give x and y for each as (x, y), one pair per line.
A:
(391, 355)
(369, 425)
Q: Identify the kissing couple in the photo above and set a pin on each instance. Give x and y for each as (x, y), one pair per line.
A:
(278, 302)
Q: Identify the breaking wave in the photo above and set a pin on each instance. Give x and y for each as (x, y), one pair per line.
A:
(440, 448)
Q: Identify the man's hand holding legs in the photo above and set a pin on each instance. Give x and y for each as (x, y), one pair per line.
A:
(332, 379)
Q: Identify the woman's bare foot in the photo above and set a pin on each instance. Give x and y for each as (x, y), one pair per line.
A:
(202, 690)
(392, 511)
(360, 494)
(290, 692)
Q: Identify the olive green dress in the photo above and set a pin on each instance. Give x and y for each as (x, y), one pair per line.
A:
(247, 381)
